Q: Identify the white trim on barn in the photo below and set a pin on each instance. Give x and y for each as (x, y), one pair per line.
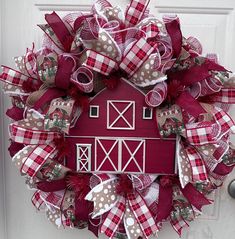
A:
(144, 113)
(83, 152)
(121, 114)
(90, 111)
(120, 143)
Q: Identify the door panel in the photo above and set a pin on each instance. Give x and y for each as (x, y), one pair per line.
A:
(212, 21)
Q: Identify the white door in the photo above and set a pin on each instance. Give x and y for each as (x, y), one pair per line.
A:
(212, 21)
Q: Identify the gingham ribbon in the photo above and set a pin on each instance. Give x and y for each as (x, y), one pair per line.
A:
(12, 77)
(99, 62)
(136, 56)
(178, 224)
(40, 199)
(199, 172)
(30, 136)
(135, 12)
(210, 132)
(138, 206)
(223, 120)
(225, 95)
(36, 159)
(142, 214)
(202, 133)
(114, 218)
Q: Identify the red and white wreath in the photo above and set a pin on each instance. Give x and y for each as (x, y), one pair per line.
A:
(118, 122)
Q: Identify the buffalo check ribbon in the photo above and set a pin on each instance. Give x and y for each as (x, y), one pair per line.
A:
(135, 12)
(12, 77)
(202, 133)
(36, 159)
(178, 223)
(199, 172)
(40, 199)
(114, 218)
(31, 158)
(106, 199)
(136, 56)
(28, 136)
(142, 214)
(99, 62)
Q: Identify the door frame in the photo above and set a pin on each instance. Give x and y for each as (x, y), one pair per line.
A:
(3, 226)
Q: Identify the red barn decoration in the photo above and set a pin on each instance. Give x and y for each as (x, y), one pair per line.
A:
(150, 147)
(118, 134)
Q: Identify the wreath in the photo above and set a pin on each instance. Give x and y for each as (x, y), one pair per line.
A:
(118, 122)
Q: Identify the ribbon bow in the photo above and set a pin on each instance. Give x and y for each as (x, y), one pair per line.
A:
(121, 204)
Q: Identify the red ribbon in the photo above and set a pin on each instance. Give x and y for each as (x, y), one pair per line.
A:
(173, 29)
(187, 78)
(60, 30)
(64, 71)
(190, 104)
(164, 203)
(165, 207)
(222, 169)
(15, 148)
(48, 96)
(194, 197)
(52, 186)
(15, 113)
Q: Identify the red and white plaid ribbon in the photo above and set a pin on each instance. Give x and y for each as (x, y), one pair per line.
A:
(224, 121)
(36, 159)
(199, 172)
(135, 12)
(138, 206)
(142, 214)
(202, 133)
(99, 62)
(114, 218)
(23, 135)
(178, 224)
(136, 56)
(40, 199)
(12, 77)
(225, 95)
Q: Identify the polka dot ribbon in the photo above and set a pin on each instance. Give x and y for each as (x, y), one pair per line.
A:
(132, 208)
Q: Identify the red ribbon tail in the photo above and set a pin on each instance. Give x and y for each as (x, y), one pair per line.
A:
(190, 104)
(82, 209)
(222, 169)
(164, 203)
(15, 148)
(194, 197)
(52, 186)
(64, 71)
(48, 96)
(173, 29)
(93, 226)
(15, 113)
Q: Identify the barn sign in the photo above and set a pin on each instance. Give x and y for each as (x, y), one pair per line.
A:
(118, 134)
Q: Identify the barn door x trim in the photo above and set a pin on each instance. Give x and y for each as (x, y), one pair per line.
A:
(120, 144)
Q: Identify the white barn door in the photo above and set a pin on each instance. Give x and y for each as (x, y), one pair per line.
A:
(212, 21)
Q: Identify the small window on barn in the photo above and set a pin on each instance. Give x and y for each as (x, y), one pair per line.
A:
(94, 111)
(147, 113)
